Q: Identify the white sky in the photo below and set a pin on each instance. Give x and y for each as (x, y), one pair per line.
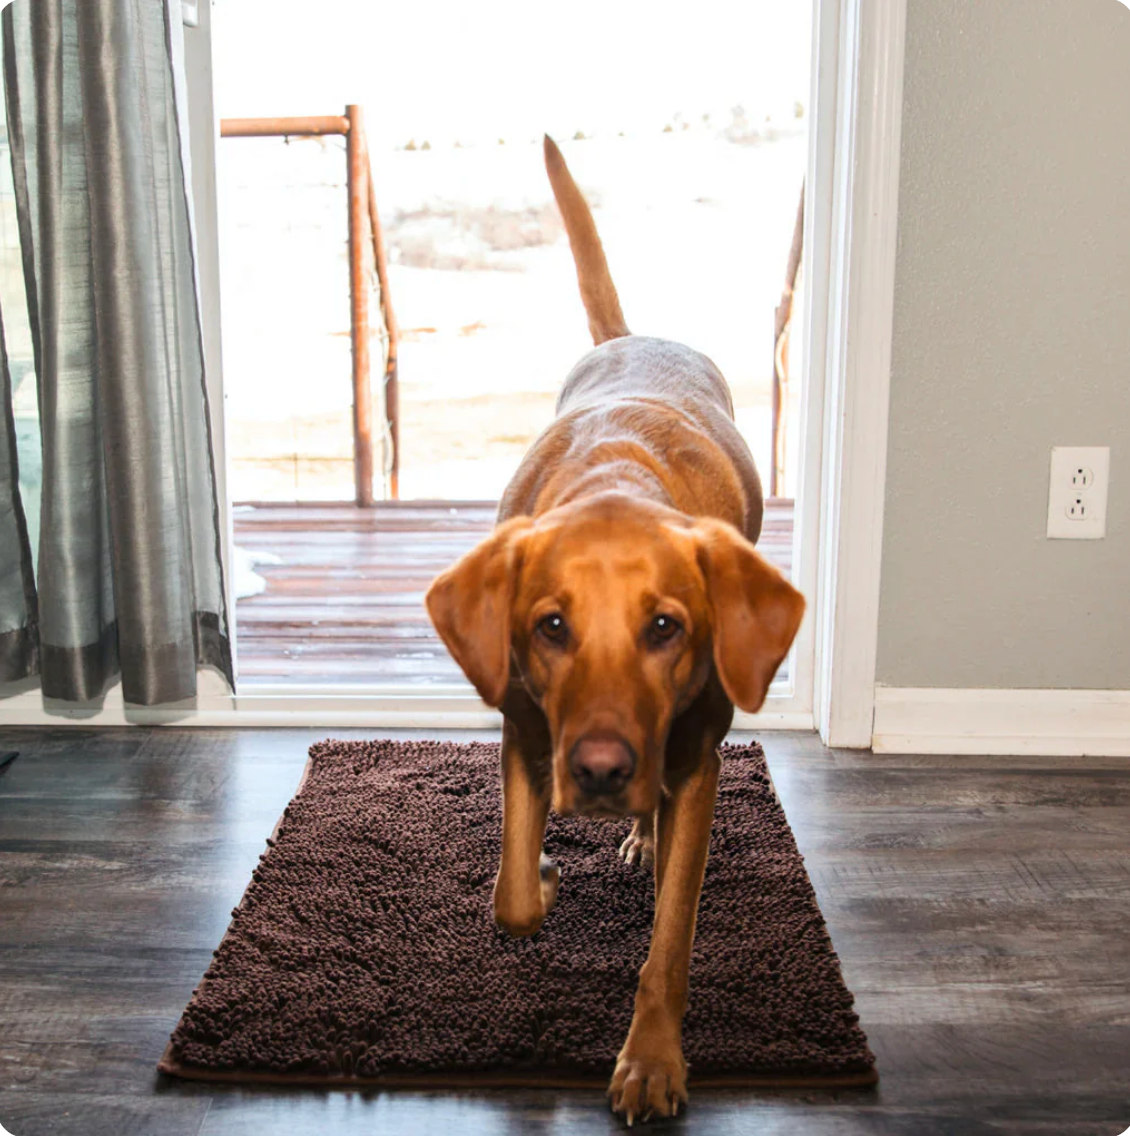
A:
(511, 68)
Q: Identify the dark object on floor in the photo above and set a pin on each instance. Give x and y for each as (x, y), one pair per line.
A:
(364, 948)
(6, 759)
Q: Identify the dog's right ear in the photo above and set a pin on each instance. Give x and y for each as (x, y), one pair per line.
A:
(470, 607)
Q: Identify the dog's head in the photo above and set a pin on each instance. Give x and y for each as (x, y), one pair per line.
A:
(611, 612)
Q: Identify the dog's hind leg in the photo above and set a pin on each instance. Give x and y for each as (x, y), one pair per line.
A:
(639, 844)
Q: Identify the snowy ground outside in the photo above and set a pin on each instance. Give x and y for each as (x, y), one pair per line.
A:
(693, 151)
(696, 227)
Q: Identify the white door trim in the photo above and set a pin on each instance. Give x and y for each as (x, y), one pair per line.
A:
(861, 284)
(203, 139)
(795, 699)
(323, 707)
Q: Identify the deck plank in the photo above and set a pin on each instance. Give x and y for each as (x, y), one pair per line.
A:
(345, 605)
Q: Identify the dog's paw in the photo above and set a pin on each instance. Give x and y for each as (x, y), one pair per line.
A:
(646, 1085)
(639, 846)
(522, 914)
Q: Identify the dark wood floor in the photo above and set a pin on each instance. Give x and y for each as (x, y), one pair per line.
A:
(980, 907)
(346, 605)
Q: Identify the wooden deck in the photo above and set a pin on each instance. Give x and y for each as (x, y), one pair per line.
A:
(345, 605)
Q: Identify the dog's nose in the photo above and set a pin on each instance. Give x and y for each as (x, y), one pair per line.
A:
(602, 764)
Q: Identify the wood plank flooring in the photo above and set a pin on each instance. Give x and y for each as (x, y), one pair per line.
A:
(346, 603)
(980, 908)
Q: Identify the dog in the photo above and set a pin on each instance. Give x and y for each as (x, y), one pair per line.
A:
(616, 616)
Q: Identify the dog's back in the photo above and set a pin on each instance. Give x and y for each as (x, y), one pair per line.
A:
(663, 392)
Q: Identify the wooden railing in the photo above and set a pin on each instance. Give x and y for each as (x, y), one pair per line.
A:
(365, 236)
(782, 327)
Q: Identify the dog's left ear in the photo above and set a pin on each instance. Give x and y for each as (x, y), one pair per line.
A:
(754, 610)
(470, 607)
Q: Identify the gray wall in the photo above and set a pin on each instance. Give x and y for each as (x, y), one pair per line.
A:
(1011, 335)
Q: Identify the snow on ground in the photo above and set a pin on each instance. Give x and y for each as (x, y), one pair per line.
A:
(696, 228)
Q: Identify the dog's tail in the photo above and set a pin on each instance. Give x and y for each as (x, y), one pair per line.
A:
(598, 293)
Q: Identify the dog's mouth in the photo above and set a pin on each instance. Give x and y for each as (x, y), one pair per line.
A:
(598, 810)
(601, 811)
(604, 808)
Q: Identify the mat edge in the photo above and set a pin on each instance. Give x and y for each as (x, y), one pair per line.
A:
(485, 1080)
(167, 1061)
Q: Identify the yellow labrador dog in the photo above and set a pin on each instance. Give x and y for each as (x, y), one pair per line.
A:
(616, 616)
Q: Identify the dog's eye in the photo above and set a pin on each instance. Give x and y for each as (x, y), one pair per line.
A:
(554, 628)
(663, 629)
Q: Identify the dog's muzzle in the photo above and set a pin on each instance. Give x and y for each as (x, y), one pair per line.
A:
(601, 764)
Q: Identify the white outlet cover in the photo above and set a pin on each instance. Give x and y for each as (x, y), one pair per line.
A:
(1078, 513)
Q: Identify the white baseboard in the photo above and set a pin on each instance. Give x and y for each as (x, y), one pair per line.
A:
(316, 707)
(1067, 723)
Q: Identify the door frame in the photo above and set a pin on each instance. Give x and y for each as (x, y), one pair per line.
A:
(871, 47)
(850, 230)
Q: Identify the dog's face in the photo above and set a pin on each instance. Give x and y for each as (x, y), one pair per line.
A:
(612, 612)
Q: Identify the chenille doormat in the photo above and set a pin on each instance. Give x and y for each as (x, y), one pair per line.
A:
(364, 950)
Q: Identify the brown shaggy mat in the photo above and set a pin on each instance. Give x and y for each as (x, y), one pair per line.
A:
(364, 949)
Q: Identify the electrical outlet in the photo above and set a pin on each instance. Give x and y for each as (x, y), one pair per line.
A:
(1077, 492)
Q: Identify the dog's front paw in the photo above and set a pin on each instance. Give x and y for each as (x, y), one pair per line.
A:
(520, 914)
(639, 845)
(648, 1081)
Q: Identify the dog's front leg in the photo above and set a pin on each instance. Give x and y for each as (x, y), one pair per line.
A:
(651, 1075)
(526, 886)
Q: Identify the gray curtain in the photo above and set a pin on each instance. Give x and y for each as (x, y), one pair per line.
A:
(19, 638)
(129, 576)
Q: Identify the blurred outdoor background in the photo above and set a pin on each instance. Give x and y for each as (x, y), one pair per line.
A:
(686, 127)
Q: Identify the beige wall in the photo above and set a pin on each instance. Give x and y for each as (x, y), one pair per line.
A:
(1011, 335)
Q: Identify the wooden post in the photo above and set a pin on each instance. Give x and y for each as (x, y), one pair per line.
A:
(358, 186)
(391, 377)
(782, 317)
(362, 211)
